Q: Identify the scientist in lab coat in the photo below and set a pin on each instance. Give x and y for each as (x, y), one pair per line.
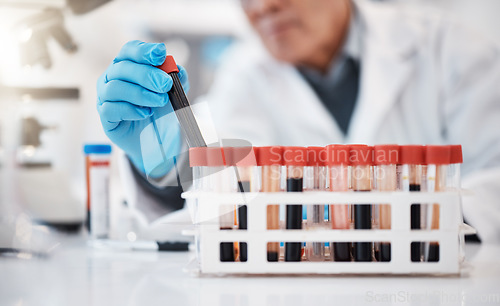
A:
(329, 71)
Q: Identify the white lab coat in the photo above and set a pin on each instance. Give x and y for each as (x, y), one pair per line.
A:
(424, 80)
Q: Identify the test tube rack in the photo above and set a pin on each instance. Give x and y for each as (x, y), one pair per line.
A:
(208, 236)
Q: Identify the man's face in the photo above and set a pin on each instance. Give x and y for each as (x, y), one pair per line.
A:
(299, 31)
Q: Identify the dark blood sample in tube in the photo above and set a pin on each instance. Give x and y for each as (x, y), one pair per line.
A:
(295, 159)
(412, 158)
(181, 106)
(361, 159)
(244, 161)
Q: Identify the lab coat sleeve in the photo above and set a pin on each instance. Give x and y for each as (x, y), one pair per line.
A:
(471, 91)
(155, 199)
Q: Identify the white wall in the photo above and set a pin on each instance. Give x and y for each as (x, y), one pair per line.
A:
(479, 14)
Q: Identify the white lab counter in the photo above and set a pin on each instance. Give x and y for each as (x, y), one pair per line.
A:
(75, 274)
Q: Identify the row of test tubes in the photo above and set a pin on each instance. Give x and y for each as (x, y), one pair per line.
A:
(335, 168)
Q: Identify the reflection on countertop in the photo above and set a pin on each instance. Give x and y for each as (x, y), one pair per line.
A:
(75, 274)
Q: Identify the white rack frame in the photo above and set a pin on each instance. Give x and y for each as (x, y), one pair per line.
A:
(209, 236)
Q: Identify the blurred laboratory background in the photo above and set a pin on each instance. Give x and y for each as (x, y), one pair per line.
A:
(51, 55)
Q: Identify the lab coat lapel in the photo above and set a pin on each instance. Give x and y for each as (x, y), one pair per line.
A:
(386, 67)
(382, 80)
(315, 115)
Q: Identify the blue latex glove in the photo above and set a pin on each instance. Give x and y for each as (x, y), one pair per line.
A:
(130, 94)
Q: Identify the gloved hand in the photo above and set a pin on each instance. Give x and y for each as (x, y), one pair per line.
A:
(130, 94)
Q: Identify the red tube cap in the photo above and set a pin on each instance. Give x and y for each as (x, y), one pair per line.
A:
(169, 65)
(355, 145)
(316, 156)
(198, 157)
(386, 154)
(360, 155)
(337, 155)
(412, 155)
(295, 156)
(267, 156)
(437, 155)
(215, 157)
(240, 156)
(456, 154)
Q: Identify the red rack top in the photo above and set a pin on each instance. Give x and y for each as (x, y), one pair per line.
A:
(456, 156)
(267, 156)
(316, 156)
(412, 155)
(240, 156)
(337, 154)
(215, 157)
(295, 156)
(360, 155)
(386, 154)
(198, 157)
(437, 155)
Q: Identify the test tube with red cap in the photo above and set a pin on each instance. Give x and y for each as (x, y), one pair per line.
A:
(295, 159)
(456, 159)
(315, 179)
(270, 161)
(222, 180)
(412, 159)
(386, 159)
(351, 178)
(361, 159)
(181, 106)
(437, 160)
(198, 161)
(244, 161)
(338, 164)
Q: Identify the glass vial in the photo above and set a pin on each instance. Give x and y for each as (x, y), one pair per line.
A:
(97, 161)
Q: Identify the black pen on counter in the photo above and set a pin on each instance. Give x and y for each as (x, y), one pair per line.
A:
(142, 245)
(21, 253)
